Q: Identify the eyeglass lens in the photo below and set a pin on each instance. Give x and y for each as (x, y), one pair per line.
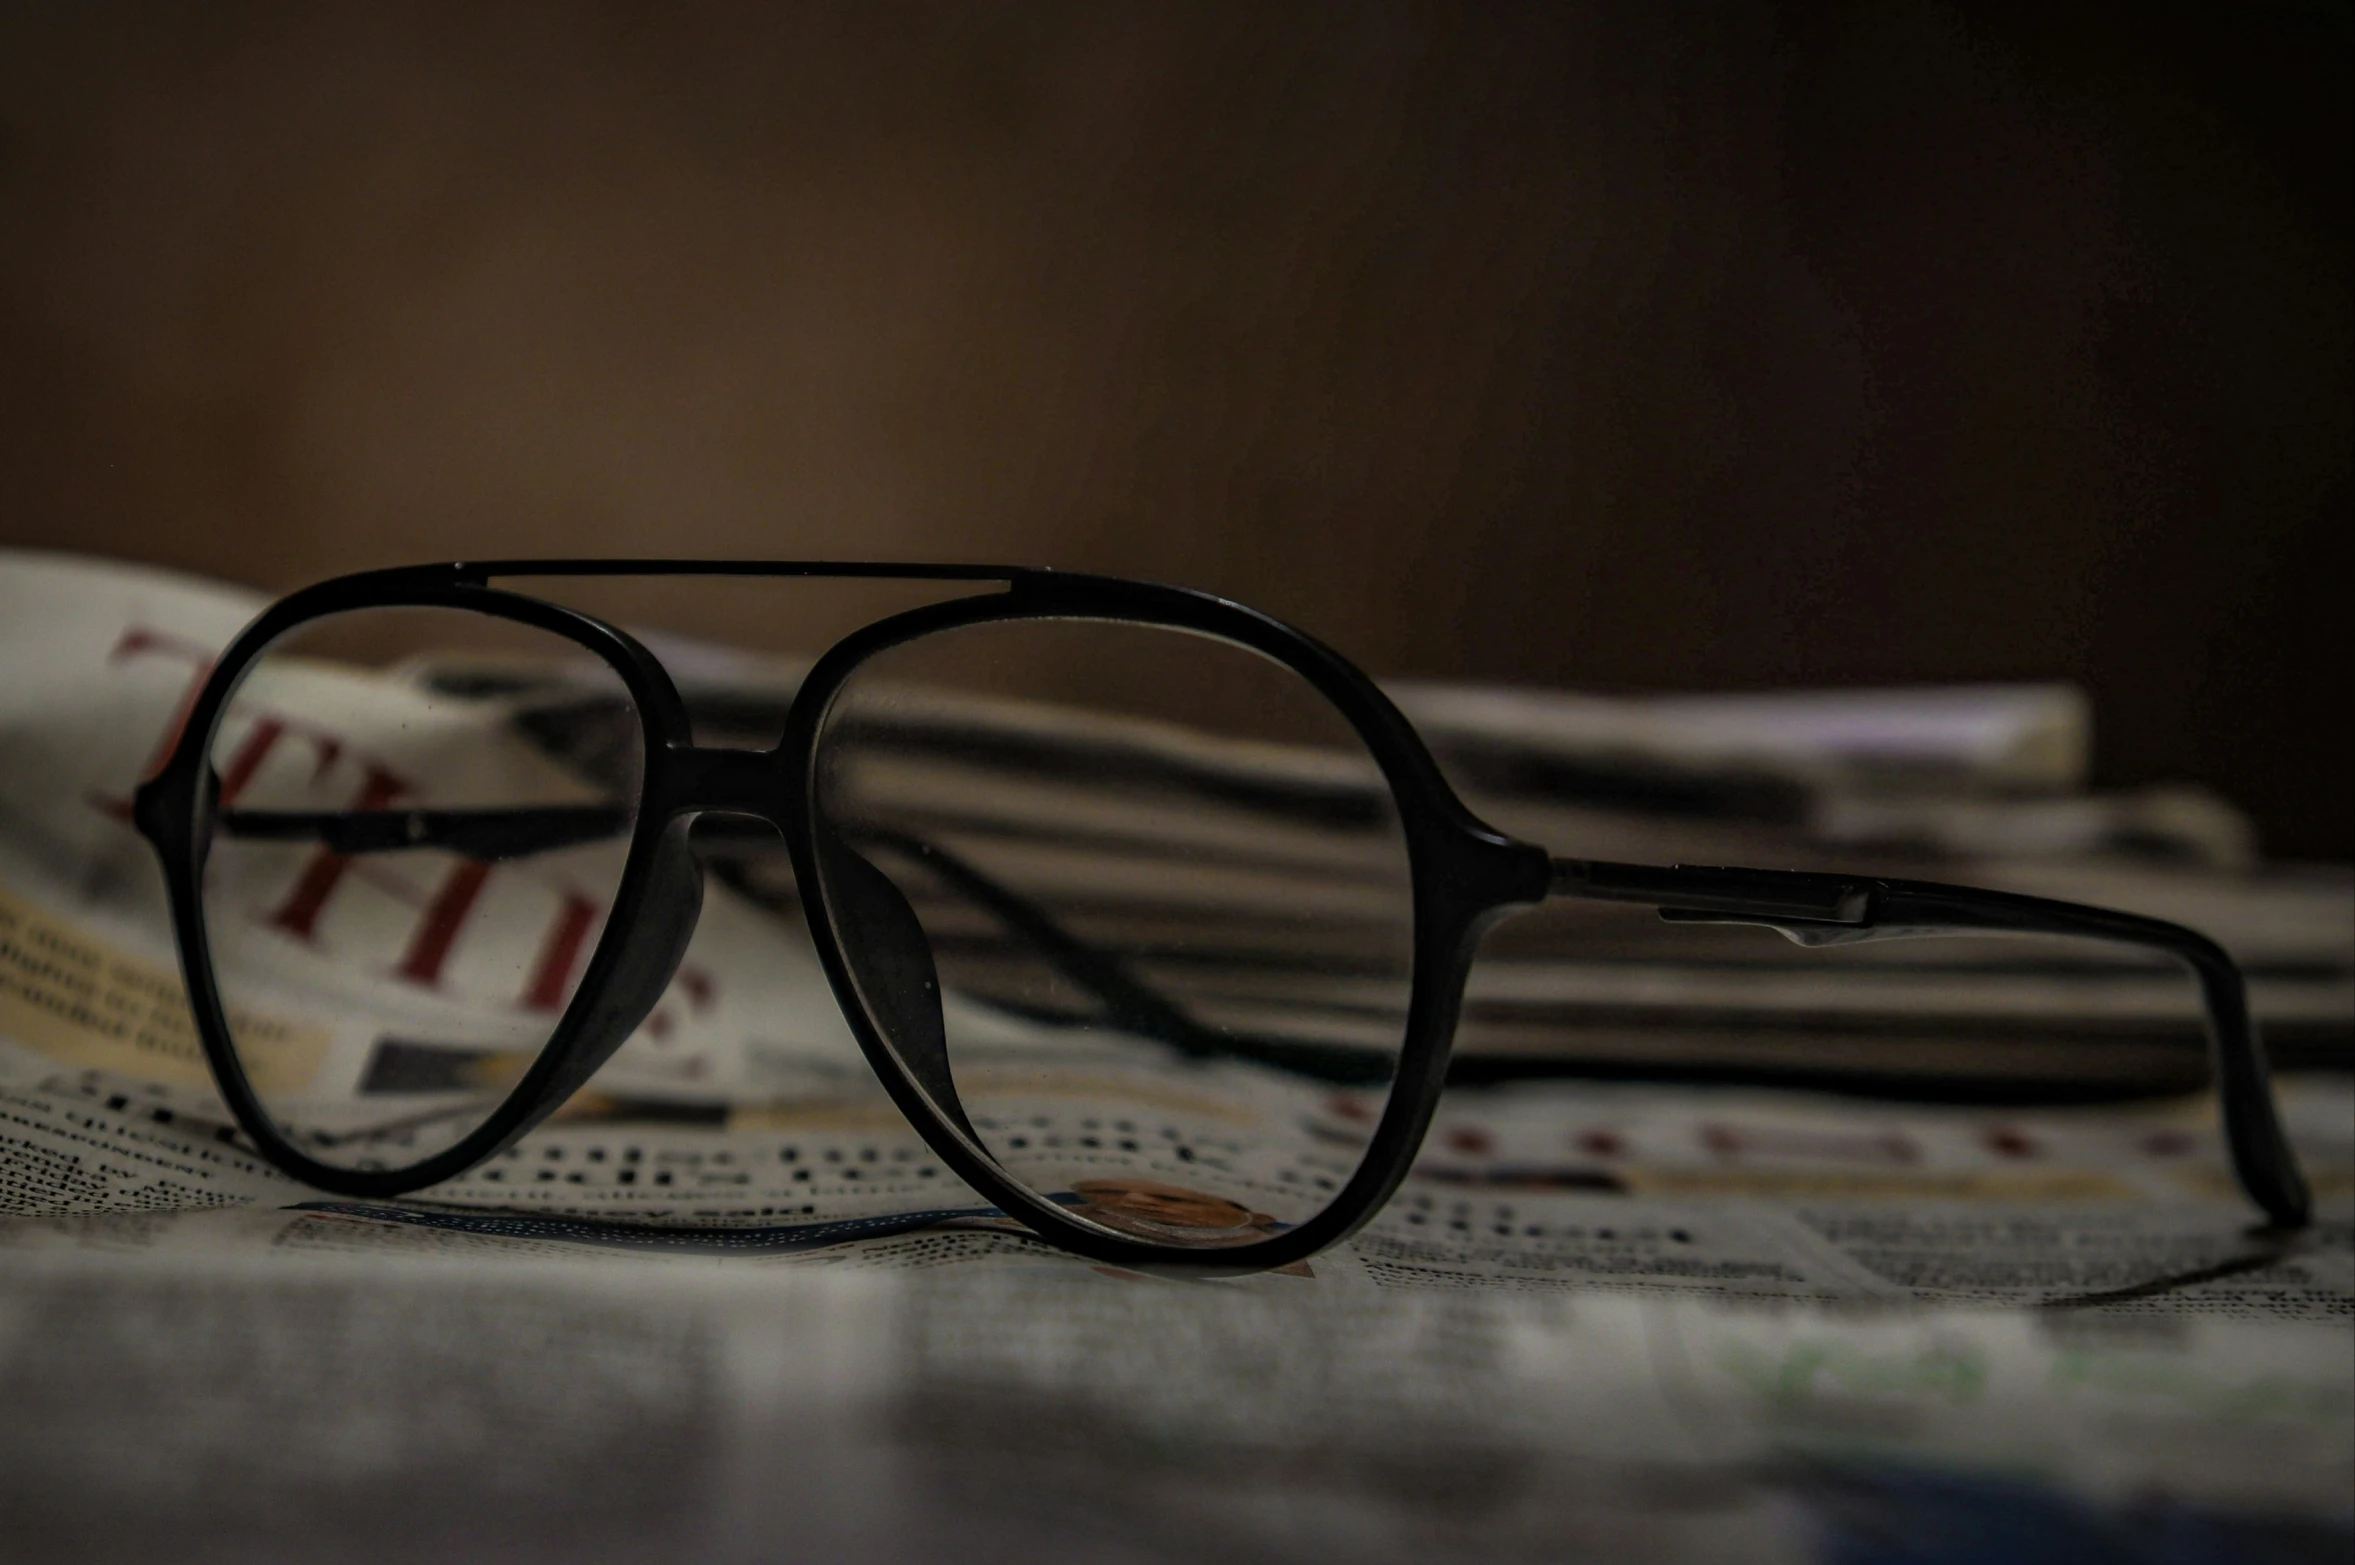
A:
(394, 927)
(1166, 894)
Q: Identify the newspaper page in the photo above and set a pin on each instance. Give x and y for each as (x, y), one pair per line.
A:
(1800, 1309)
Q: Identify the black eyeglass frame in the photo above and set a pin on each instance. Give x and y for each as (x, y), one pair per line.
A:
(1464, 876)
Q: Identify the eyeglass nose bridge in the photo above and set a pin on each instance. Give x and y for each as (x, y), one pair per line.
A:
(695, 779)
(682, 781)
(894, 977)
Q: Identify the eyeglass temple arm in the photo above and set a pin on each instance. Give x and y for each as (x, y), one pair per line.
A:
(1133, 1004)
(1823, 910)
(1811, 909)
(488, 835)
(493, 834)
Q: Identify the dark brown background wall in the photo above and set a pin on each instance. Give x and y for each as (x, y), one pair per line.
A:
(1623, 347)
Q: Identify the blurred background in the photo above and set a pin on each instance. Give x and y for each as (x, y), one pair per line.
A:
(1618, 348)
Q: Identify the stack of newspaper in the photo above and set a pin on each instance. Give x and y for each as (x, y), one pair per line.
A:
(1717, 1249)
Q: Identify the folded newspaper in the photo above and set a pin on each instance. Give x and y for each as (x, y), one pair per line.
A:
(1690, 1321)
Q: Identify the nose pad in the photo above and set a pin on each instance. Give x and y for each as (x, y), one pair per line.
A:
(656, 943)
(890, 957)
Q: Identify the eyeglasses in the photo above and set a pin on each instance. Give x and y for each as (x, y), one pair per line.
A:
(1151, 915)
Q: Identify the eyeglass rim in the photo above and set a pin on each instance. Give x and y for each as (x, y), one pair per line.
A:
(169, 810)
(1464, 874)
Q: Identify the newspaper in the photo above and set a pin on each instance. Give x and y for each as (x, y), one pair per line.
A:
(1498, 1368)
(335, 1408)
(768, 1313)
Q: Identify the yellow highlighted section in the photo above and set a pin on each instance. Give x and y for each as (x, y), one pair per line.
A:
(68, 995)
